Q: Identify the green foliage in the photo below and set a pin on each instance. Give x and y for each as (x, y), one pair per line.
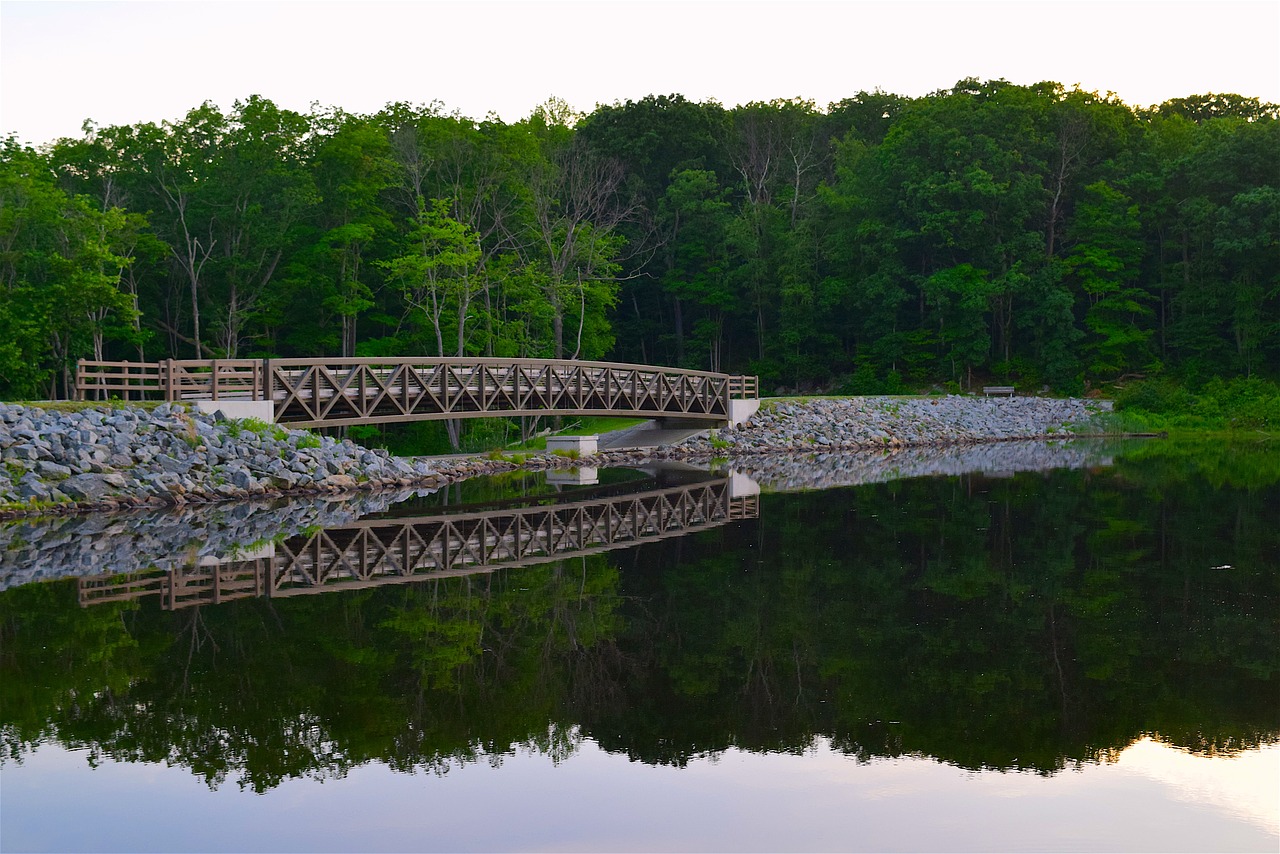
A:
(1104, 262)
(1237, 404)
(1037, 234)
(438, 273)
(60, 276)
(263, 428)
(310, 440)
(425, 438)
(864, 381)
(1159, 396)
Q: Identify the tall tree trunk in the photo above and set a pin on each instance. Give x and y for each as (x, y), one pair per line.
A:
(678, 323)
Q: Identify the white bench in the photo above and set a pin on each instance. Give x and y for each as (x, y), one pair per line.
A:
(989, 390)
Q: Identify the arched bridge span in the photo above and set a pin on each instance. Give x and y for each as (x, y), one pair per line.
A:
(335, 392)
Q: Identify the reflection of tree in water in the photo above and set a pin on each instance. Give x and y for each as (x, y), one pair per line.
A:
(1029, 622)
(420, 676)
(988, 623)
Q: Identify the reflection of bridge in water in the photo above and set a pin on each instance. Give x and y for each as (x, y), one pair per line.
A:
(376, 552)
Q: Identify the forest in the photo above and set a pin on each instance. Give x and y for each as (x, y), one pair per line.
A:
(1038, 235)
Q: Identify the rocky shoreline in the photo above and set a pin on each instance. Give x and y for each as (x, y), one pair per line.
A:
(858, 423)
(106, 459)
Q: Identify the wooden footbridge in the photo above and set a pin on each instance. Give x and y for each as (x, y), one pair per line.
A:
(376, 552)
(335, 392)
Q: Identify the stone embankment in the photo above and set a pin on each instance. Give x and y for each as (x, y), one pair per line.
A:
(104, 459)
(889, 422)
(130, 457)
(55, 462)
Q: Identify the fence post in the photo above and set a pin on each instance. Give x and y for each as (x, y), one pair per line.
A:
(213, 378)
(268, 390)
(168, 380)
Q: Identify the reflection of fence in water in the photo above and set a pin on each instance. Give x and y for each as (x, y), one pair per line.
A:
(388, 551)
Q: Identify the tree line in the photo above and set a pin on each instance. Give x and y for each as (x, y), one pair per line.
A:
(1035, 234)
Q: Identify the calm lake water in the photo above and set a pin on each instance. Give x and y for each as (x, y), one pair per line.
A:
(1023, 648)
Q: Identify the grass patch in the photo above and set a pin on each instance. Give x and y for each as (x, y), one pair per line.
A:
(597, 424)
(502, 457)
(587, 426)
(237, 427)
(310, 440)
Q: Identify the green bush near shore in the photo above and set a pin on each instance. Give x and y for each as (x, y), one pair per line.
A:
(1242, 403)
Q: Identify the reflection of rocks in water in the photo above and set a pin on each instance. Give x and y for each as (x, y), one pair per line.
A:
(40, 549)
(826, 470)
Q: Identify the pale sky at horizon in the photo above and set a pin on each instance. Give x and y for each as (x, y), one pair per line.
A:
(127, 62)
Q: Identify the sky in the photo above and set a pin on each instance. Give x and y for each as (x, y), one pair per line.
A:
(126, 62)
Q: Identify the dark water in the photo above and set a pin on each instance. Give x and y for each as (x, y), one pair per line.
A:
(1011, 657)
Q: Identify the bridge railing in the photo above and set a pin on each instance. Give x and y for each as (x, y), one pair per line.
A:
(327, 392)
(744, 388)
(172, 380)
(120, 380)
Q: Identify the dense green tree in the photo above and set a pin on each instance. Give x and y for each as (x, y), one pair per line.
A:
(61, 263)
(1104, 260)
(694, 215)
(352, 167)
(574, 241)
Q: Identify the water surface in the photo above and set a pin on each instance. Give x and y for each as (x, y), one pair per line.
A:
(1010, 657)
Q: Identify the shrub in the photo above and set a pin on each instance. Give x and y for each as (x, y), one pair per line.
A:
(1246, 403)
(309, 440)
(1160, 396)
